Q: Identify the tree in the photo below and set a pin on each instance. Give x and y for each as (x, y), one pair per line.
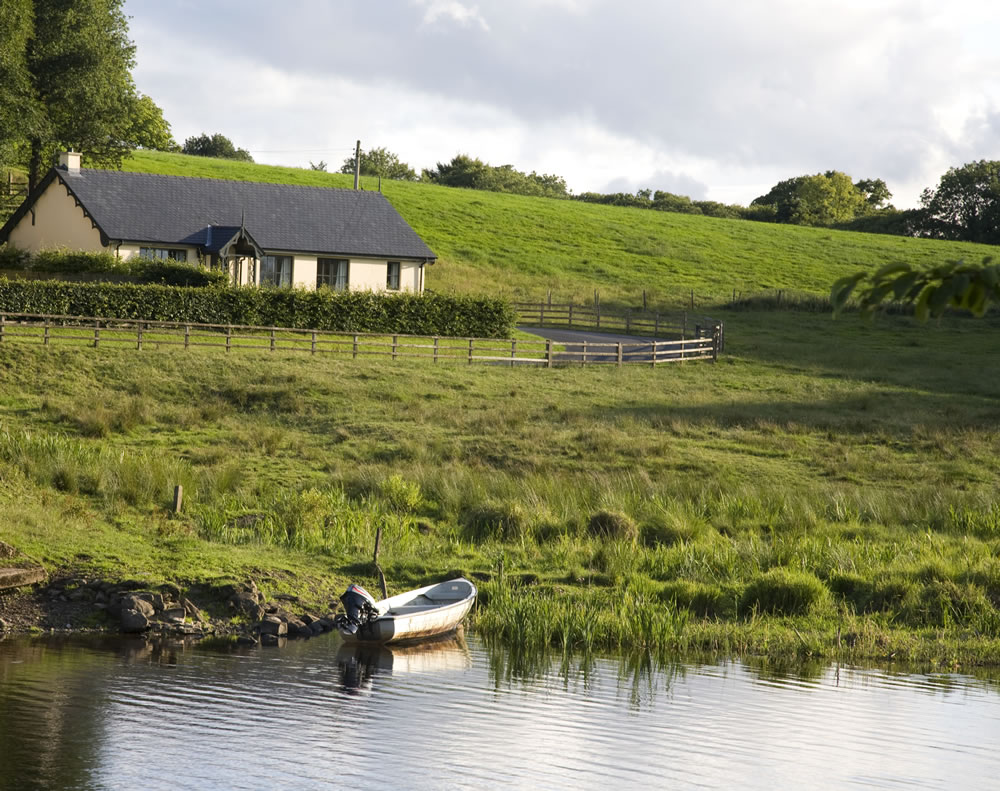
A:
(381, 162)
(464, 171)
(77, 60)
(966, 204)
(823, 199)
(972, 287)
(217, 145)
(149, 128)
(17, 111)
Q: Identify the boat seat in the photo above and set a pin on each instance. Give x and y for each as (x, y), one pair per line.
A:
(406, 609)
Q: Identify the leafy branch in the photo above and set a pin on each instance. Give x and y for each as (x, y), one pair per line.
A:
(956, 284)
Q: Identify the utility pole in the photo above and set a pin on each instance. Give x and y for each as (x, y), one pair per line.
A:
(357, 166)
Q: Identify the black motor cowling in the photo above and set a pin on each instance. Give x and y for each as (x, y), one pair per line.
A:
(359, 609)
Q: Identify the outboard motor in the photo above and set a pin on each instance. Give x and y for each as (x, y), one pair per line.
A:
(359, 609)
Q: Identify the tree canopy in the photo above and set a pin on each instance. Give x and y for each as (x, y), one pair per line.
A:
(217, 145)
(464, 171)
(824, 198)
(381, 162)
(966, 204)
(66, 83)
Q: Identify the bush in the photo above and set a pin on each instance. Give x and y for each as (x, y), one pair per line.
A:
(340, 311)
(612, 524)
(135, 269)
(783, 592)
(706, 601)
(869, 596)
(496, 521)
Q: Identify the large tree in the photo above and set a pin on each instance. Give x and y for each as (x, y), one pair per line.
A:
(966, 204)
(381, 162)
(824, 198)
(69, 64)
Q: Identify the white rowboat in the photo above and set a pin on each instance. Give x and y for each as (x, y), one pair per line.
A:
(417, 614)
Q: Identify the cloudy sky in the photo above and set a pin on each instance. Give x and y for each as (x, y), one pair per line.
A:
(715, 99)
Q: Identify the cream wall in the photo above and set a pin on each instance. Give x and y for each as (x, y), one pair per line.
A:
(304, 271)
(59, 222)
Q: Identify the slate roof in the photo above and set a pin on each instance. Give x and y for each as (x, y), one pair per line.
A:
(143, 207)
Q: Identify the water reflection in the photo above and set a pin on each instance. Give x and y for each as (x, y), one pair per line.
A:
(359, 664)
(126, 714)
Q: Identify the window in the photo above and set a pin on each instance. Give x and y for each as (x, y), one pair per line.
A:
(163, 253)
(392, 276)
(332, 272)
(276, 270)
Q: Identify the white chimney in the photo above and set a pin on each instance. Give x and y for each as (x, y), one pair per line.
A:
(69, 161)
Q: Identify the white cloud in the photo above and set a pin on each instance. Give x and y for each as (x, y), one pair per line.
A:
(716, 97)
(453, 10)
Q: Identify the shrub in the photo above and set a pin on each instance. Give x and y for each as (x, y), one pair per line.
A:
(869, 596)
(783, 592)
(706, 601)
(496, 521)
(323, 309)
(400, 494)
(612, 524)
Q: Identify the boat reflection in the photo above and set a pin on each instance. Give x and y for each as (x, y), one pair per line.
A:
(359, 664)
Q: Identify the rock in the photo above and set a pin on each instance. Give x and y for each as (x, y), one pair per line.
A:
(272, 625)
(79, 594)
(134, 621)
(308, 618)
(270, 639)
(4, 626)
(246, 604)
(287, 597)
(316, 627)
(137, 602)
(174, 615)
(326, 623)
(170, 591)
(297, 628)
(192, 612)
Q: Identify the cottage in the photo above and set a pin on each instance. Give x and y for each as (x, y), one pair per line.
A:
(264, 234)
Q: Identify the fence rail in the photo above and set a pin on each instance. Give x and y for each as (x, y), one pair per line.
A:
(95, 332)
(683, 325)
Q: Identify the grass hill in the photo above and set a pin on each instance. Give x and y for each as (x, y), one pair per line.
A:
(489, 242)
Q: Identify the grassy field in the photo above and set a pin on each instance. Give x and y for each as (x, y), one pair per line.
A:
(828, 489)
(825, 477)
(489, 242)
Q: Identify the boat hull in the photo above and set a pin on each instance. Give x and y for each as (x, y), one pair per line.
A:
(402, 620)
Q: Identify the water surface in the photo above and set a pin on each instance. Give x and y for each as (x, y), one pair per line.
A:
(124, 714)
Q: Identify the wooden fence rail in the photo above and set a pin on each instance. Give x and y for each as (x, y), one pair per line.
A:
(96, 332)
(680, 325)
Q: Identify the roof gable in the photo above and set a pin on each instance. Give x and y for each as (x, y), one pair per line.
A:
(143, 207)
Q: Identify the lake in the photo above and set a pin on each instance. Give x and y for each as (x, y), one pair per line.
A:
(113, 713)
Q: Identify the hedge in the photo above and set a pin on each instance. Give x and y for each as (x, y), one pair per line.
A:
(134, 269)
(323, 309)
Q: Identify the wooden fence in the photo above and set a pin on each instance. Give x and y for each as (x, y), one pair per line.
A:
(95, 332)
(682, 325)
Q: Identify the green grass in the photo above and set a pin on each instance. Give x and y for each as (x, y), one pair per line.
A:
(524, 247)
(824, 476)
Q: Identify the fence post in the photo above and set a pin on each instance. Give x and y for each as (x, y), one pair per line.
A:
(682, 349)
(45, 338)
(138, 336)
(619, 354)
(229, 336)
(355, 350)
(3, 321)
(598, 308)
(628, 322)
(570, 314)
(395, 344)
(513, 351)
(435, 348)
(97, 332)
(272, 339)
(584, 361)
(654, 354)
(470, 351)
(187, 335)
(313, 343)
(548, 353)
(656, 326)
(541, 314)
(716, 341)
